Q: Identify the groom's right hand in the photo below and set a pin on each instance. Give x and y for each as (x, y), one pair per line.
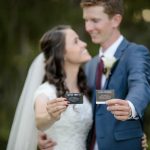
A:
(45, 143)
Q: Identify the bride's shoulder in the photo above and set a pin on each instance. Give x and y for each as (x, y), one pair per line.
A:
(46, 88)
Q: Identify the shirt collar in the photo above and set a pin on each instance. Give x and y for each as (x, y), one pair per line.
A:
(110, 51)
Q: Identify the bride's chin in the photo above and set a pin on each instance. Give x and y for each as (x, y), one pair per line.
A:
(88, 59)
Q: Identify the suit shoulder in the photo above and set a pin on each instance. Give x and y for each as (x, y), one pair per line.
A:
(93, 61)
(134, 47)
(134, 50)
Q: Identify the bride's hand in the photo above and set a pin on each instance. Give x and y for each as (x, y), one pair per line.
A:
(56, 107)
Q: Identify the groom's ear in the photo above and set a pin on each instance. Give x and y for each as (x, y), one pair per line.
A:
(116, 20)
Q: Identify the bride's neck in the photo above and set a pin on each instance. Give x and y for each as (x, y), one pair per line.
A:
(72, 78)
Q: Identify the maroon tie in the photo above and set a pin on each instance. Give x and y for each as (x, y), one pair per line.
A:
(99, 72)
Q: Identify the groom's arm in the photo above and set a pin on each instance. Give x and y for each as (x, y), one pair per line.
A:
(138, 69)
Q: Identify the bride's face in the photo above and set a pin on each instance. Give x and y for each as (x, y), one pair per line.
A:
(75, 49)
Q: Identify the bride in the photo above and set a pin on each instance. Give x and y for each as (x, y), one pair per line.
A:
(48, 109)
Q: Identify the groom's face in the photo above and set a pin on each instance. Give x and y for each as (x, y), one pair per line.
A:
(98, 24)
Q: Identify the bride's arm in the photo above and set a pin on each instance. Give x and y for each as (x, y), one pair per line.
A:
(48, 111)
(43, 119)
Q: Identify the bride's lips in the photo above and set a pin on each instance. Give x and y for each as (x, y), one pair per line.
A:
(84, 51)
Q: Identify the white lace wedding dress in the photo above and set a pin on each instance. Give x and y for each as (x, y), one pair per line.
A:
(70, 132)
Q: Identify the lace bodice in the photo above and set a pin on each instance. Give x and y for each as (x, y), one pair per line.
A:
(70, 132)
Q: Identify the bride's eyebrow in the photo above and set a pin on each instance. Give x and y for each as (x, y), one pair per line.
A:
(76, 39)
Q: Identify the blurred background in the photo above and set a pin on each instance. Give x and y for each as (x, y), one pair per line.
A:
(22, 23)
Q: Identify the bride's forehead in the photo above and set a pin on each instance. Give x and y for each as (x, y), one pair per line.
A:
(71, 34)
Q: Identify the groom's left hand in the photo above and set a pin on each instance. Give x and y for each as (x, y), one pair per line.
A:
(119, 108)
(45, 143)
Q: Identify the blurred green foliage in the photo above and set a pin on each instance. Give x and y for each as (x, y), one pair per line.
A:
(22, 22)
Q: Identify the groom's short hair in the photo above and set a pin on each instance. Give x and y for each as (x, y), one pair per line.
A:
(111, 7)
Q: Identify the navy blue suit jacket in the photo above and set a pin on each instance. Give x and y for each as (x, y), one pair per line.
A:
(130, 78)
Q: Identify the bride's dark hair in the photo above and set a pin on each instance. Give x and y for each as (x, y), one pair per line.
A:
(52, 44)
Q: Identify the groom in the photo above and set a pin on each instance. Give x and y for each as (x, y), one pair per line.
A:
(118, 124)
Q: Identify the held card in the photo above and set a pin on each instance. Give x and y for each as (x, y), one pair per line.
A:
(103, 95)
(74, 98)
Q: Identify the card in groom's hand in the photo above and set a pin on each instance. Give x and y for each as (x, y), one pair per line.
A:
(103, 95)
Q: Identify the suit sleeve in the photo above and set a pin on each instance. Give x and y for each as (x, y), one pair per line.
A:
(138, 69)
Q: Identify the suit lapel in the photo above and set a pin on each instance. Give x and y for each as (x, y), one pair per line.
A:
(118, 54)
